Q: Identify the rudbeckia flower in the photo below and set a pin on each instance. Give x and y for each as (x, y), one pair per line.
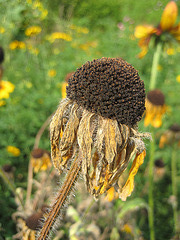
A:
(170, 136)
(14, 151)
(164, 32)
(94, 131)
(6, 88)
(155, 108)
(40, 159)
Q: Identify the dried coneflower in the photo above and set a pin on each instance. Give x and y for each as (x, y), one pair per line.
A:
(94, 131)
(155, 108)
(159, 169)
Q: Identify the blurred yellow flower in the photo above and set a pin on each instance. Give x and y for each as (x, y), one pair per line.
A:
(32, 31)
(59, 35)
(79, 29)
(2, 30)
(44, 14)
(178, 78)
(166, 26)
(40, 159)
(127, 228)
(155, 108)
(2, 103)
(6, 88)
(170, 51)
(170, 136)
(17, 45)
(13, 151)
(52, 73)
(159, 67)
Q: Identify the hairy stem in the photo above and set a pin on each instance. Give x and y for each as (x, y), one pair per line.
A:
(57, 208)
(154, 66)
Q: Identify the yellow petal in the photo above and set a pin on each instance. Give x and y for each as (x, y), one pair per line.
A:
(169, 16)
(175, 31)
(142, 31)
(129, 185)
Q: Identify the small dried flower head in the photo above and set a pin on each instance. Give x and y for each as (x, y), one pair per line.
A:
(97, 123)
(170, 136)
(40, 159)
(8, 168)
(155, 108)
(33, 222)
(1, 55)
(159, 169)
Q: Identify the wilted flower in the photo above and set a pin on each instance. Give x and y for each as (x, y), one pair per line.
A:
(94, 131)
(40, 159)
(32, 31)
(164, 32)
(170, 136)
(6, 88)
(98, 124)
(17, 45)
(14, 151)
(155, 108)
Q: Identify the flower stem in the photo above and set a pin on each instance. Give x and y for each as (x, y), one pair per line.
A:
(151, 187)
(155, 62)
(56, 211)
(174, 188)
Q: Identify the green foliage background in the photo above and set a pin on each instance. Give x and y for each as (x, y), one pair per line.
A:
(36, 95)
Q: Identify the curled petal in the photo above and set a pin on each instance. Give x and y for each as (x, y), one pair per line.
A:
(129, 185)
(175, 31)
(169, 16)
(144, 31)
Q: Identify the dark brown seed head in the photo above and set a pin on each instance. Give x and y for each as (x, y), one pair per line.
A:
(7, 168)
(37, 153)
(33, 222)
(175, 128)
(159, 163)
(110, 87)
(156, 97)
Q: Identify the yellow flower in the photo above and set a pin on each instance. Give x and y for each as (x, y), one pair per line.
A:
(33, 30)
(178, 78)
(13, 151)
(2, 30)
(65, 84)
(6, 88)
(59, 35)
(40, 159)
(155, 108)
(2, 103)
(166, 26)
(159, 67)
(170, 136)
(170, 51)
(127, 228)
(52, 73)
(17, 45)
(79, 29)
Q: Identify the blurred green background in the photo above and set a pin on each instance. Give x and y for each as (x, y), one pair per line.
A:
(37, 65)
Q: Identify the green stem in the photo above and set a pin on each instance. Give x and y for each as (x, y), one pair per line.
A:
(154, 66)
(151, 187)
(11, 186)
(174, 188)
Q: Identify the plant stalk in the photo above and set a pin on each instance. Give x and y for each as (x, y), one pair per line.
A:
(151, 188)
(174, 187)
(154, 68)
